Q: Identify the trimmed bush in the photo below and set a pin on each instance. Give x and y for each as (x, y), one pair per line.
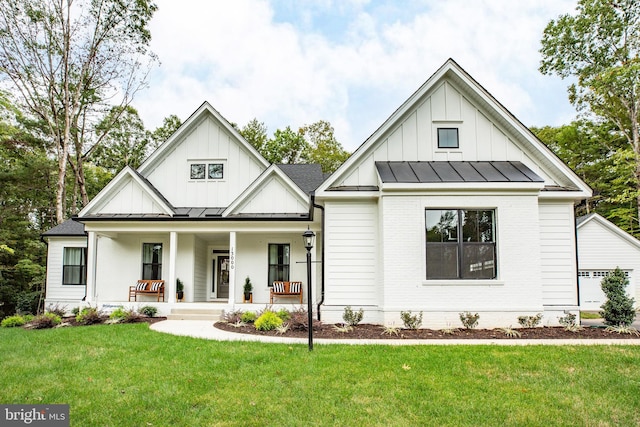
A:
(248, 317)
(618, 308)
(268, 321)
(13, 321)
(149, 310)
(89, 316)
(122, 315)
(411, 321)
(352, 318)
(284, 314)
(530, 321)
(469, 321)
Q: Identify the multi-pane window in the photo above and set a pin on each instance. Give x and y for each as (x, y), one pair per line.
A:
(278, 262)
(152, 261)
(448, 138)
(461, 244)
(207, 171)
(74, 266)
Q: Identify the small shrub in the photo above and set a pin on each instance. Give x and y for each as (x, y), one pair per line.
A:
(232, 316)
(248, 317)
(75, 311)
(618, 308)
(57, 310)
(623, 329)
(284, 314)
(390, 330)
(300, 320)
(45, 321)
(122, 315)
(149, 310)
(449, 330)
(13, 321)
(282, 329)
(343, 329)
(89, 316)
(267, 321)
(530, 321)
(510, 332)
(568, 320)
(352, 318)
(469, 321)
(411, 321)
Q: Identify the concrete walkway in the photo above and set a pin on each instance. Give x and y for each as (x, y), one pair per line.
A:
(205, 329)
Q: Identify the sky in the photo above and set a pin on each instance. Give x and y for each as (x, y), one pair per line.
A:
(349, 62)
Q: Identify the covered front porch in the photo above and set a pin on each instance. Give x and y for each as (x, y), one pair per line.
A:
(211, 261)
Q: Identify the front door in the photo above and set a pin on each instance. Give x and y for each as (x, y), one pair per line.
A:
(220, 283)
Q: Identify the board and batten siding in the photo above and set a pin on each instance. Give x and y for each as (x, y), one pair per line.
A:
(558, 254)
(414, 138)
(351, 253)
(130, 198)
(274, 196)
(56, 291)
(207, 143)
(201, 260)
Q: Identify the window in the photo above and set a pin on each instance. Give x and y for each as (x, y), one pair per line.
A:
(278, 262)
(74, 266)
(152, 261)
(448, 138)
(460, 244)
(207, 171)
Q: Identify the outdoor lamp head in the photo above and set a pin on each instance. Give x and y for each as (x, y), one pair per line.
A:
(308, 238)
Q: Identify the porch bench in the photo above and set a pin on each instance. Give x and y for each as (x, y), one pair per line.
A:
(286, 289)
(147, 287)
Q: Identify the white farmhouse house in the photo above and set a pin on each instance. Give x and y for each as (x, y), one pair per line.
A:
(603, 246)
(452, 205)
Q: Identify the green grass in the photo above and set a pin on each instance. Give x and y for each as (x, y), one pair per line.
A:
(128, 375)
(589, 315)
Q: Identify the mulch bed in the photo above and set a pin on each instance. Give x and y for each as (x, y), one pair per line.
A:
(367, 331)
(71, 320)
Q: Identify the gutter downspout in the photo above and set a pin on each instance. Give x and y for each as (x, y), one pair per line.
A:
(314, 205)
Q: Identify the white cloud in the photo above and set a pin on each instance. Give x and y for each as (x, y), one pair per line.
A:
(248, 61)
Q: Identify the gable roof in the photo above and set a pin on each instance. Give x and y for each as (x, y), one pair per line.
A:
(306, 176)
(452, 72)
(203, 111)
(608, 225)
(69, 228)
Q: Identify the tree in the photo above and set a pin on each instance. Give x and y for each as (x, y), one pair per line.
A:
(70, 60)
(255, 133)
(323, 148)
(170, 124)
(600, 45)
(618, 308)
(125, 143)
(286, 146)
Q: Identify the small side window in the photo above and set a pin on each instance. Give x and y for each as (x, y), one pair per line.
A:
(448, 138)
(197, 170)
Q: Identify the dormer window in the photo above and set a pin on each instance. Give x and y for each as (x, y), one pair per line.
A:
(206, 171)
(448, 138)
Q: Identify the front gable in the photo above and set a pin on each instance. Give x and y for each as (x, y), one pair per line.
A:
(273, 193)
(486, 131)
(205, 163)
(128, 193)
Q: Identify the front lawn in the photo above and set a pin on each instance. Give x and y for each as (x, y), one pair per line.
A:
(127, 375)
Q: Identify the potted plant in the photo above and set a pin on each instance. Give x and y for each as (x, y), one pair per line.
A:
(179, 289)
(248, 288)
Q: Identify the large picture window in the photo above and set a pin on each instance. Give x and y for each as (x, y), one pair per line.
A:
(460, 244)
(278, 262)
(152, 261)
(74, 266)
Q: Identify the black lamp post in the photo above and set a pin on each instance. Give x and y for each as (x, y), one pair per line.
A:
(308, 238)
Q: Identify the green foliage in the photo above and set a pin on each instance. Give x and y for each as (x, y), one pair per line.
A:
(89, 316)
(255, 133)
(45, 321)
(530, 321)
(57, 309)
(14, 321)
(469, 321)
(248, 287)
(618, 308)
(179, 285)
(323, 148)
(287, 146)
(149, 310)
(268, 321)
(411, 321)
(232, 316)
(352, 318)
(124, 315)
(248, 317)
(623, 329)
(568, 320)
(284, 314)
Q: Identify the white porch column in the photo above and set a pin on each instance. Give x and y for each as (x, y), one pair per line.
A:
(173, 252)
(92, 247)
(232, 268)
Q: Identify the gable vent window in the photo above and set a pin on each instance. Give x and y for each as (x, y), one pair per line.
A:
(448, 138)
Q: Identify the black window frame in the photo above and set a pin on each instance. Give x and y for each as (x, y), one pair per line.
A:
(457, 138)
(200, 169)
(279, 270)
(152, 270)
(461, 247)
(68, 269)
(210, 169)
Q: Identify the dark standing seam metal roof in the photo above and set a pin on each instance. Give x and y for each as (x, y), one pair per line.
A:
(434, 172)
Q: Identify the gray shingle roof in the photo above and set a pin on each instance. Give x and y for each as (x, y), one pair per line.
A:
(434, 172)
(307, 177)
(67, 228)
